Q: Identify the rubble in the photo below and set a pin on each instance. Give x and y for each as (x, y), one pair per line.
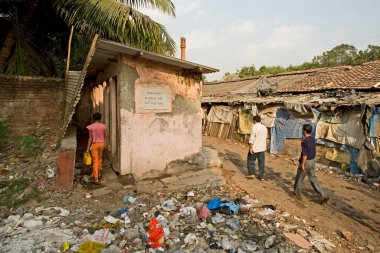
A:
(182, 229)
(347, 176)
(194, 219)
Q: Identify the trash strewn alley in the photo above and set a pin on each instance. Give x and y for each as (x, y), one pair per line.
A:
(208, 210)
(173, 126)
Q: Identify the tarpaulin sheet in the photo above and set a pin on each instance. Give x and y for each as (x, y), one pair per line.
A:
(268, 116)
(245, 120)
(278, 132)
(336, 117)
(300, 108)
(220, 114)
(354, 152)
(368, 164)
(350, 152)
(376, 144)
(374, 124)
(338, 155)
(349, 133)
(286, 126)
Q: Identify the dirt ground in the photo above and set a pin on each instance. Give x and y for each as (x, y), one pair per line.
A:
(352, 207)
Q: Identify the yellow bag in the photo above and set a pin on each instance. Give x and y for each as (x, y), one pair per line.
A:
(87, 160)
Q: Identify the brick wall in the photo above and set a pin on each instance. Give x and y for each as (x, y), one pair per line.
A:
(32, 104)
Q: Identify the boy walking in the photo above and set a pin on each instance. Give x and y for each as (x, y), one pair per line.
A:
(307, 165)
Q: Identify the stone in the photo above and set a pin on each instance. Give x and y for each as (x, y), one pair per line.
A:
(347, 235)
(77, 231)
(101, 191)
(289, 227)
(211, 228)
(27, 216)
(202, 243)
(32, 223)
(53, 238)
(314, 234)
(131, 234)
(302, 232)
(298, 240)
(20, 211)
(39, 209)
(270, 241)
(234, 223)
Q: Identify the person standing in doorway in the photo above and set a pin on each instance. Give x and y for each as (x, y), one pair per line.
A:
(257, 147)
(307, 165)
(96, 142)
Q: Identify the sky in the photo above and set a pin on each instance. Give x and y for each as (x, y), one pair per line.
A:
(228, 35)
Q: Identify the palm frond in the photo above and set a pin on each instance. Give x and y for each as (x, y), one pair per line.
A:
(25, 59)
(165, 6)
(116, 21)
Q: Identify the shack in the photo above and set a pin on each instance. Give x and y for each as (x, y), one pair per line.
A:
(341, 103)
(151, 104)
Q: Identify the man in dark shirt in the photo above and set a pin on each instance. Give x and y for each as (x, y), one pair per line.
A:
(307, 165)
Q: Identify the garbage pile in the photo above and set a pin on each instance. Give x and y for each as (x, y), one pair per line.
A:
(190, 221)
(373, 183)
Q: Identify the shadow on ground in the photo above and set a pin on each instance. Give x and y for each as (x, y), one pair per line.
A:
(285, 181)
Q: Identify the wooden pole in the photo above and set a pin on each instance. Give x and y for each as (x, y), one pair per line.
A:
(68, 63)
(77, 88)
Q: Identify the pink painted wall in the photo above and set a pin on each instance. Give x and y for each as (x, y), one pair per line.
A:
(151, 139)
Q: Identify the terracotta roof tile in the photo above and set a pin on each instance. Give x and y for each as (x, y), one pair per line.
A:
(364, 76)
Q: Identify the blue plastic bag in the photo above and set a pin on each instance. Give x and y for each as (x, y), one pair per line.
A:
(213, 204)
(233, 208)
(121, 211)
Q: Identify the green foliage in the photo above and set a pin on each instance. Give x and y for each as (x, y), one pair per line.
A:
(17, 192)
(228, 76)
(338, 56)
(30, 145)
(341, 55)
(119, 22)
(246, 71)
(204, 78)
(38, 31)
(25, 59)
(4, 131)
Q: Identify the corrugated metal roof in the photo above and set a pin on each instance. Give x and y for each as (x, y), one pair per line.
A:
(73, 90)
(72, 83)
(111, 47)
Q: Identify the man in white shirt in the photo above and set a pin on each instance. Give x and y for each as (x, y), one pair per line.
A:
(257, 147)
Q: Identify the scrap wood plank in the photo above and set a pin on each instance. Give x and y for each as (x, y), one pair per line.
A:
(298, 240)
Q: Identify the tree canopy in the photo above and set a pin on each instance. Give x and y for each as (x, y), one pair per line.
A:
(340, 55)
(36, 32)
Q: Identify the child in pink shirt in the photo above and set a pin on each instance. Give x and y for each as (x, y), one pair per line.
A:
(97, 143)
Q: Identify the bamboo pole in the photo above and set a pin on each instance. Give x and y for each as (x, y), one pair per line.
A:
(78, 87)
(68, 64)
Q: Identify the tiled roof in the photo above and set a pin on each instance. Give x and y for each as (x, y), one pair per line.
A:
(362, 77)
(225, 88)
(365, 76)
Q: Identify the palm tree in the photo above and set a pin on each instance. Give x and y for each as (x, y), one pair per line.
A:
(37, 31)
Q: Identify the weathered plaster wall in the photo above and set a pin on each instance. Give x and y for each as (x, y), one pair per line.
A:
(151, 139)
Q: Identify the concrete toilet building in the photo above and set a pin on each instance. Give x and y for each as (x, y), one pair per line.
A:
(150, 103)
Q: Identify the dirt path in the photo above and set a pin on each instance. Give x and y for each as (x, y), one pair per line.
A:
(352, 207)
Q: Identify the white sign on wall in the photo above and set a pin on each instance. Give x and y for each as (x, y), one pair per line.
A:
(154, 98)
